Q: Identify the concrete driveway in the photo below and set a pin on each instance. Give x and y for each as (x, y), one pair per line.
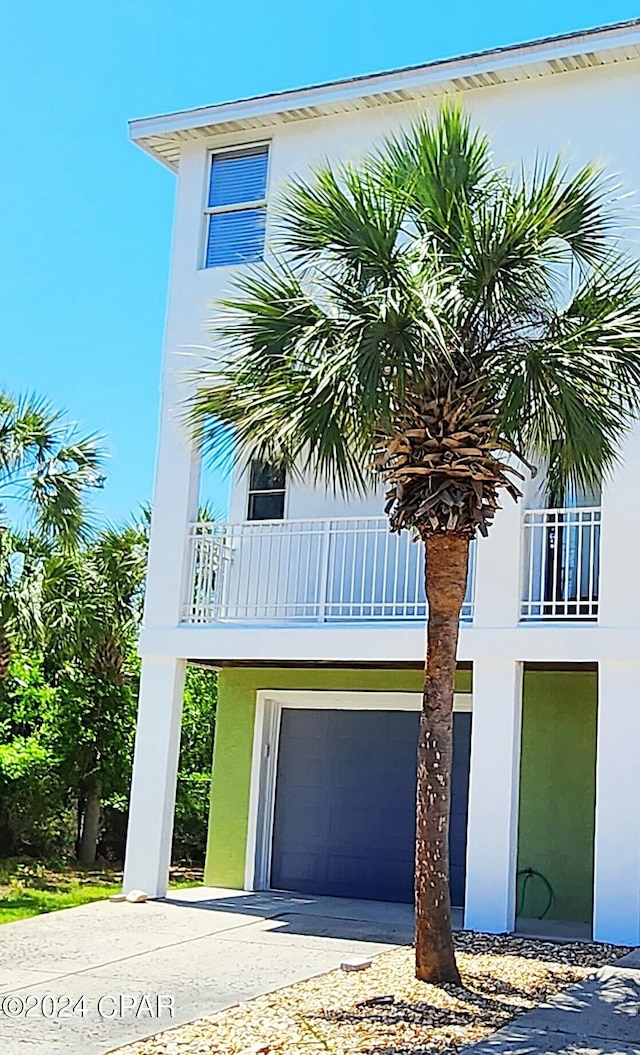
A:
(190, 955)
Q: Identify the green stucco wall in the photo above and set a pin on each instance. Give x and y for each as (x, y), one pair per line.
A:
(237, 688)
(557, 791)
(557, 775)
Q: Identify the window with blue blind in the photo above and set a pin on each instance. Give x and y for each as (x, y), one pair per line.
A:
(237, 206)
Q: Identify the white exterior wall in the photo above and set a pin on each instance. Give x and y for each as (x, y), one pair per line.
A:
(587, 113)
(591, 118)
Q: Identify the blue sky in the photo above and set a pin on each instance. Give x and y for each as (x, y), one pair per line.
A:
(86, 217)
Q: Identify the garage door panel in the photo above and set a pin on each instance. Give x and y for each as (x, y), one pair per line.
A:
(343, 823)
(307, 772)
(345, 778)
(347, 870)
(457, 845)
(397, 833)
(456, 882)
(344, 818)
(359, 797)
(317, 822)
(304, 869)
(394, 880)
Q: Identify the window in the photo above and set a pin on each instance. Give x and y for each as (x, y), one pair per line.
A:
(237, 206)
(266, 492)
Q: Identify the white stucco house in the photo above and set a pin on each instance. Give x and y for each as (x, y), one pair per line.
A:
(314, 615)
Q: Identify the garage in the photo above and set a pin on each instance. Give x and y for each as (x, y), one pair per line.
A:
(344, 812)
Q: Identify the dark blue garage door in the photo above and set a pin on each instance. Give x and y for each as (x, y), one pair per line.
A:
(345, 803)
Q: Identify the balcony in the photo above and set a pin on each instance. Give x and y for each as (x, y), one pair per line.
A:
(352, 569)
(343, 570)
(561, 565)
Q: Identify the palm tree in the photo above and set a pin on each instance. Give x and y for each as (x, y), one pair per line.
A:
(91, 611)
(20, 593)
(46, 467)
(440, 323)
(46, 470)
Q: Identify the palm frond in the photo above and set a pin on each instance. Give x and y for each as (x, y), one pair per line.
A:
(420, 309)
(22, 559)
(440, 166)
(580, 210)
(572, 393)
(49, 465)
(308, 385)
(92, 599)
(349, 216)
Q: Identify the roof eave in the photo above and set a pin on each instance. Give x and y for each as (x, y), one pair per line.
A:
(426, 79)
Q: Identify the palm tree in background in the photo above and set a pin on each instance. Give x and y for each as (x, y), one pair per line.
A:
(92, 609)
(440, 323)
(46, 472)
(21, 576)
(46, 467)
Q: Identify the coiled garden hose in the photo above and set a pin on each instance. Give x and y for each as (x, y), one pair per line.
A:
(527, 874)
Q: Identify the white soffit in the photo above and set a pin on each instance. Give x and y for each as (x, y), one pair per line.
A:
(163, 136)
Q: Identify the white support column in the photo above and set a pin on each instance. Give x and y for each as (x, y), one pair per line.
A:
(616, 910)
(174, 507)
(155, 768)
(492, 832)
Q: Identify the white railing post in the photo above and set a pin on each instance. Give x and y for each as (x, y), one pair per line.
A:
(189, 604)
(224, 568)
(469, 602)
(323, 571)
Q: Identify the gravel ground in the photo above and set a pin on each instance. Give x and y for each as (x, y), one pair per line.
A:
(385, 1011)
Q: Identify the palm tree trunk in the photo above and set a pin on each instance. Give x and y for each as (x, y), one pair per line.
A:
(446, 562)
(90, 822)
(5, 656)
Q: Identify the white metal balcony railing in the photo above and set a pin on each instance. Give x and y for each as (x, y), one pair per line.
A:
(350, 569)
(561, 564)
(344, 569)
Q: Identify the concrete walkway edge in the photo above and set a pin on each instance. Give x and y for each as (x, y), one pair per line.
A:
(600, 1016)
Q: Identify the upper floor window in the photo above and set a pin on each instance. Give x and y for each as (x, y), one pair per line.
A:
(266, 492)
(237, 206)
